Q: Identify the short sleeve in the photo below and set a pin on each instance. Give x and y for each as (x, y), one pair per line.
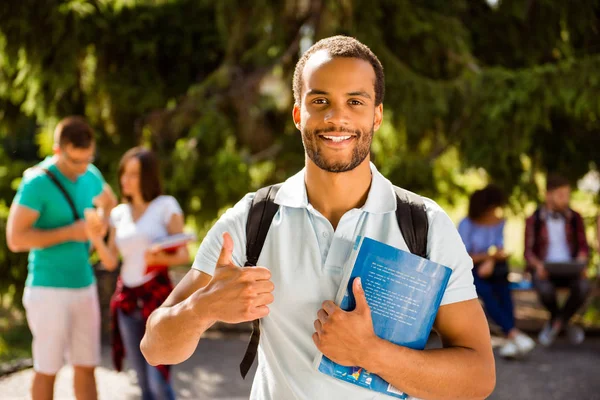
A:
(233, 222)
(28, 193)
(499, 234)
(464, 230)
(446, 247)
(96, 179)
(115, 215)
(170, 206)
(97, 174)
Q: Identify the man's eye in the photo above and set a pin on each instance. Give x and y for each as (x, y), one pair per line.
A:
(319, 101)
(355, 102)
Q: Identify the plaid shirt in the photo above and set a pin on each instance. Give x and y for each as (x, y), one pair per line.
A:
(147, 297)
(536, 248)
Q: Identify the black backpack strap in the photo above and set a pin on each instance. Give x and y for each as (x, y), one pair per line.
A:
(262, 212)
(59, 185)
(412, 220)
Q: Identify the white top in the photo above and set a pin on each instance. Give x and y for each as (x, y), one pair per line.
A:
(133, 238)
(306, 258)
(558, 248)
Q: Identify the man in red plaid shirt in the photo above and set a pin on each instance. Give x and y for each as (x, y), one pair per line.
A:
(556, 234)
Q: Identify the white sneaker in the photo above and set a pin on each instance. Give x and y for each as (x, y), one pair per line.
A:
(548, 335)
(576, 334)
(524, 343)
(509, 350)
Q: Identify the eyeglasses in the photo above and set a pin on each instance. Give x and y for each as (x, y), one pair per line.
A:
(74, 161)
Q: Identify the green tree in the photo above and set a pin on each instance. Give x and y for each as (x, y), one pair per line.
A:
(510, 88)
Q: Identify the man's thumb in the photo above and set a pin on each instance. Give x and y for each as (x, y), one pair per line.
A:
(226, 250)
(359, 296)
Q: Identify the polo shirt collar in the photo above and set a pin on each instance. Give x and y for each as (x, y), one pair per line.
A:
(380, 200)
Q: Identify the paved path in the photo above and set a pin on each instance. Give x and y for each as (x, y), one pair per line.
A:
(211, 373)
(562, 372)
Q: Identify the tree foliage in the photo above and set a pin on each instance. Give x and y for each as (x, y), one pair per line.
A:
(512, 89)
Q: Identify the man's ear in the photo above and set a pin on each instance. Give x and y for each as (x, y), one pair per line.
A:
(296, 115)
(378, 118)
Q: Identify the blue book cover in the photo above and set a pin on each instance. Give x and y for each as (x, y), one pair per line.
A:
(403, 291)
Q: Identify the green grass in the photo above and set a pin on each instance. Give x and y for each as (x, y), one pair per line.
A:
(15, 337)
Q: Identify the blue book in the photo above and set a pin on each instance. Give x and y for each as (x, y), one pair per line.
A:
(403, 291)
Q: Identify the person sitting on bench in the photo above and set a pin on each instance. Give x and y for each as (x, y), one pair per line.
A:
(555, 234)
(482, 232)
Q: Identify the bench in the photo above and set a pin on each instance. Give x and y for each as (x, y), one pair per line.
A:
(530, 315)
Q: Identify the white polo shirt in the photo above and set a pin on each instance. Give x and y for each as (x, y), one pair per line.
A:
(306, 258)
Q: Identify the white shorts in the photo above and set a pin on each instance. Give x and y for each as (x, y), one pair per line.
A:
(65, 324)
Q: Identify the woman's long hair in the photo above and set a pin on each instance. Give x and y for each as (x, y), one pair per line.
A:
(150, 182)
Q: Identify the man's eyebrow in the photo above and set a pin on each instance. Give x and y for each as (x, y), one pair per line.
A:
(314, 92)
(360, 93)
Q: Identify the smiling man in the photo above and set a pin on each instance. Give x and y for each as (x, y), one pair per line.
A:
(339, 195)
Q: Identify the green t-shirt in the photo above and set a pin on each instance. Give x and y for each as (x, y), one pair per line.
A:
(65, 265)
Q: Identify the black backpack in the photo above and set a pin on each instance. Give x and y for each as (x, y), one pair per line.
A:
(410, 213)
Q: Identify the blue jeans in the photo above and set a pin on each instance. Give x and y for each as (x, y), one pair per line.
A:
(497, 301)
(151, 381)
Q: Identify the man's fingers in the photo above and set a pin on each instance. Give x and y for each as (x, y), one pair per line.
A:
(316, 340)
(329, 307)
(263, 286)
(225, 257)
(322, 316)
(257, 273)
(359, 295)
(264, 299)
(318, 327)
(260, 312)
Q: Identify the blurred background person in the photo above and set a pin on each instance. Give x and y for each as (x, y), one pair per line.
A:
(145, 216)
(482, 232)
(60, 298)
(555, 233)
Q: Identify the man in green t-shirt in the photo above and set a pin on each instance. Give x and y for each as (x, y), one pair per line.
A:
(47, 219)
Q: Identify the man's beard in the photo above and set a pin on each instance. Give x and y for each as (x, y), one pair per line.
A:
(359, 153)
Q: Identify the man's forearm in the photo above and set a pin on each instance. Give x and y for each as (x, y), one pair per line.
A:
(479, 257)
(172, 333)
(448, 373)
(107, 257)
(180, 257)
(39, 238)
(532, 259)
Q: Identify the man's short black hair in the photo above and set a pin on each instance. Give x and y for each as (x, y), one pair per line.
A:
(75, 131)
(555, 181)
(341, 46)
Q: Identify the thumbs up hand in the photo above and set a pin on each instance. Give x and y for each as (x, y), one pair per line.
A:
(237, 294)
(345, 336)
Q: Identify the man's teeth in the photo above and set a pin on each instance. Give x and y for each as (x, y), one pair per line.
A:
(337, 138)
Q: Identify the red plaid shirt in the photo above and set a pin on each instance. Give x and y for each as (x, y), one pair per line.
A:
(536, 248)
(147, 297)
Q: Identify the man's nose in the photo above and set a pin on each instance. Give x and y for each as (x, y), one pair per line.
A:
(337, 115)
